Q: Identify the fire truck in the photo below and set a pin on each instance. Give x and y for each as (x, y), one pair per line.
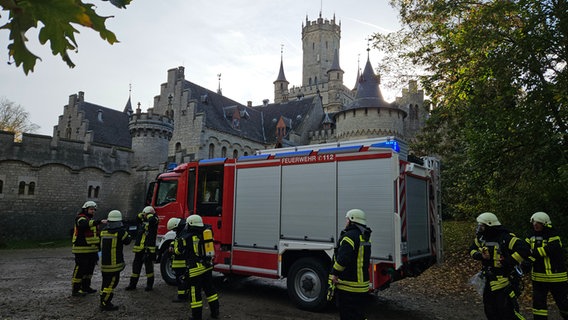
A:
(277, 214)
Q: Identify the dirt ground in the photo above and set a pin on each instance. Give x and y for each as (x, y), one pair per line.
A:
(36, 284)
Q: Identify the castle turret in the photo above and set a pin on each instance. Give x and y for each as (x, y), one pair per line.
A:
(281, 85)
(320, 40)
(335, 76)
(150, 134)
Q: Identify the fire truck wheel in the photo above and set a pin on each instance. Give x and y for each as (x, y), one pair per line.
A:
(166, 268)
(307, 284)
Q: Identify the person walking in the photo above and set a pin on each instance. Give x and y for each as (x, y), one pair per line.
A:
(113, 238)
(549, 272)
(144, 248)
(200, 268)
(85, 248)
(499, 251)
(178, 249)
(350, 271)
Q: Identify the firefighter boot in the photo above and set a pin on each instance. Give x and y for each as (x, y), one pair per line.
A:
(106, 304)
(76, 291)
(149, 284)
(132, 285)
(214, 306)
(86, 286)
(196, 314)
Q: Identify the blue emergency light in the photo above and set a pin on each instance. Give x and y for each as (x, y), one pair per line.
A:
(391, 144)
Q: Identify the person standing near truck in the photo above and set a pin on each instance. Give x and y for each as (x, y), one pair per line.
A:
(549, 273)
(499, 252)
(350, 271)
(85, 247)
(200, 268)
(144, 248)
(178, 250)
(113, 239)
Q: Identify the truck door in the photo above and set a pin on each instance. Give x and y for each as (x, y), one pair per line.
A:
(165, 203)
(209, 196)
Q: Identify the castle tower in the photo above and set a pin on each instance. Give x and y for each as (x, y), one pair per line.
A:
(150, 134)
(320, 40)
(335, 76)
(281, 85)
(413, 101)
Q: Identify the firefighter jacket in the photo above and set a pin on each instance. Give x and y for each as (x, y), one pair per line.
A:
(85, 234)
(351, 258)
(197, 262)
(180, 249)
(548, 255)
(113, 238)
(505, 252)
(146, 233)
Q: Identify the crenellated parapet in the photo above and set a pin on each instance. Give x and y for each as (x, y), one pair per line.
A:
(151, 134)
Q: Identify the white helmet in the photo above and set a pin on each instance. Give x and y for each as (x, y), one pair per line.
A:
(89, 204)
(148, 210)
(114, 215)
(541, 217)
(194, 220)
(357, 216)
(489, 219)
(173, 223)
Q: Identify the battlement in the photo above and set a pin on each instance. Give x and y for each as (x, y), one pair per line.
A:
(307, 90)
(321, 23)
(40, 150)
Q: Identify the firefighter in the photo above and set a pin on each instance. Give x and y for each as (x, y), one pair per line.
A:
(86, 248)
(144, 248)
(499, 252)
(549, 267)
(113, 238)
(200, 268)
(350, 271)
(177, 249)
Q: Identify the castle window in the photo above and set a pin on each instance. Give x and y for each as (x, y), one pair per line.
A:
(90, 193)
(21, 188)
(97, 191)
(246, 153)
(354, 112)
(68, 133)
(178, 147)
(326, 44)
(224, 152)
(366, 111)
(31, 188)
(94, 188)
(235, 154)
(211, 151)
(313, 46)
(1, 186)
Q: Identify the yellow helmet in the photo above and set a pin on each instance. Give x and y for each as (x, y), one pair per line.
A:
(489, 219)
(89, 204)
(114, 215)
(357, 216)
(541, 217)
(148, 210)
(194, 220)
(173, 223)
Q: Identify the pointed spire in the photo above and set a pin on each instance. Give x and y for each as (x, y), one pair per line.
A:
(281, 77)
(358, 73)
(128, 107)
(335, 64)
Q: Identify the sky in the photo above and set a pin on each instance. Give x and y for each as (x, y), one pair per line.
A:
(243, 40)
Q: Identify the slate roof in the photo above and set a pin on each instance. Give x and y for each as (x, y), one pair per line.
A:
(112, 130)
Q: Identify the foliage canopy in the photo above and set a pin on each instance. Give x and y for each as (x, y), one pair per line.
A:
(57, 19)
(496, 74)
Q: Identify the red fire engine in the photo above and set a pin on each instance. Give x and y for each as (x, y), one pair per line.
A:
(278, 214)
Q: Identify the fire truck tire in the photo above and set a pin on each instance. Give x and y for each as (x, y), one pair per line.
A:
(307, 284)
(166, 268)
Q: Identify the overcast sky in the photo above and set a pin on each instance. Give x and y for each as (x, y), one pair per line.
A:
(240, 39)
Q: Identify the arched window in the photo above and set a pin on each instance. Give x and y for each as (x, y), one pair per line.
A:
(235, 154)
(97, 189)
(246, 153)
(211, 151)
(1, 186)
(224, 152)
(90, 193)
(21, 187)
(31, 188)
(178, 147)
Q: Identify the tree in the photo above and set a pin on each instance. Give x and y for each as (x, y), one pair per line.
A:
(497, 76)
(14, 118)
(57, 18)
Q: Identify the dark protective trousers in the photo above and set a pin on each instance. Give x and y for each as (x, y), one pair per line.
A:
(196, 284)
(83, 272)
(110, 281)
(351, 305)
(143, 258)
(500, 304)
(559, 291)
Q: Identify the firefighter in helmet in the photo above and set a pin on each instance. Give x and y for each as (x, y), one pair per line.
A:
(144, 248)
(350, 271)
(549, 267)
(499, 251)
(200, 267)
(113, 238)
(86, 248)
(177, 249)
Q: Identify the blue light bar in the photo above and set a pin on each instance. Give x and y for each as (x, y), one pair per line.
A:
(212, 161)
(340, 149)
(292, 154)
(391, 144)
(171, 166)
(253, 157)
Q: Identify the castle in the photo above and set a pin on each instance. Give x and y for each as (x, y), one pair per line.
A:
(110, 156)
